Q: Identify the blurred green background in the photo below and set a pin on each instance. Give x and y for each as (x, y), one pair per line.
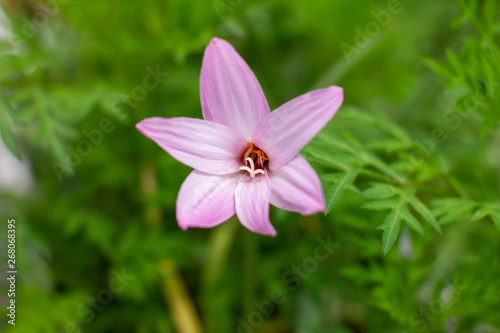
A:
(410, 167)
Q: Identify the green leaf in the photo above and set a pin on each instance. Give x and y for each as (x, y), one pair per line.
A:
(383, 123)
(381, 204)
(392, 128)
(6, 130)
(455, 63)
(355, 148)
(389, 146)
(336, 177)
(336, 191)
(338, 161)
(452, 209)
(495, 216)
(480, 213)
(374, 160)
(391, 227)
(491, 209)
(438, 68)
(380, 191)
(352, 188)
(411, 221)
(424, 212)
(330, 177)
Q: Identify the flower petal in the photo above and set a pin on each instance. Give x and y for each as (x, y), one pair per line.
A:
(230, 92)
(296, 187)
(252, 204)
(203, 145)
(286, 130)
(205, 200)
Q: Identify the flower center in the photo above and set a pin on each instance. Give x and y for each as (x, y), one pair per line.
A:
(255, 161)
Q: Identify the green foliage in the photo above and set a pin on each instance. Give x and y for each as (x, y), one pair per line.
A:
(410, 237)
(340, 182)
(480, 77)
(399, 211)
(6, 130)
(491, 209)
(452, 209)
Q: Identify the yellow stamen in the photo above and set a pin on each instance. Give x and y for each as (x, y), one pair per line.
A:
(249, 150)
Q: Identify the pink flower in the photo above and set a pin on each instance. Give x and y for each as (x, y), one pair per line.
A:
(244, 156)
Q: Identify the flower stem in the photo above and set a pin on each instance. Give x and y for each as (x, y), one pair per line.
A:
(179, 302)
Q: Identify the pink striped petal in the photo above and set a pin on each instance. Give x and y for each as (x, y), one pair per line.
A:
(230, 92)
(252, 204)
(205, 146)
(285, 131)
(205, 201)
(296, 187)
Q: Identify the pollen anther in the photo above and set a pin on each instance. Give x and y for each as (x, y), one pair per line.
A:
(255, 160)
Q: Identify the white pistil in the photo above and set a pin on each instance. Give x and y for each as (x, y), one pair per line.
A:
(252, 171)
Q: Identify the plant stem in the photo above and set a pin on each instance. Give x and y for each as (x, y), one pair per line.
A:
(179, 302)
